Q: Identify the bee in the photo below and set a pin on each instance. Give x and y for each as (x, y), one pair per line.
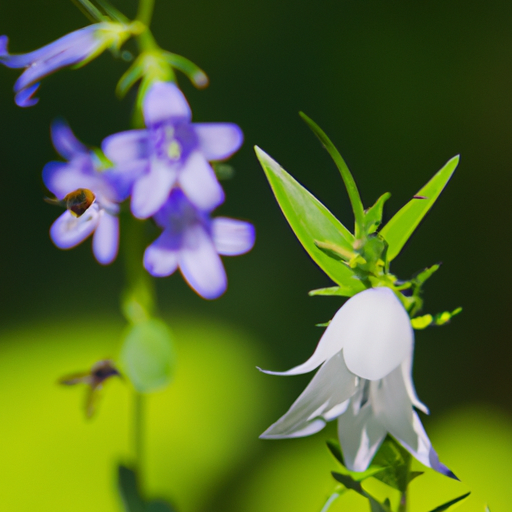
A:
(77, 202)
(94, 379)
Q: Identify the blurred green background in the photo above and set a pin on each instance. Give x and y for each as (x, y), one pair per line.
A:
(400, 87)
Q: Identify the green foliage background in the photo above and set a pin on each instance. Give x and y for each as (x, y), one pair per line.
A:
(400, 87)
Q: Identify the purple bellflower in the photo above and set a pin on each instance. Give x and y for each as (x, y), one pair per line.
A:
(91, 196)
(192, 242)
(365, 359)
(172, 152)
(75, 48)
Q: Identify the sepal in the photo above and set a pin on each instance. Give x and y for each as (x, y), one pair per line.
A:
(373, 215)
(451, 504)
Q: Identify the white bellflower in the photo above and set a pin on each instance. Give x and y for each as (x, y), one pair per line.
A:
(364, 380)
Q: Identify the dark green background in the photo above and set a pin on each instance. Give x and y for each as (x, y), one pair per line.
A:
(399, 86)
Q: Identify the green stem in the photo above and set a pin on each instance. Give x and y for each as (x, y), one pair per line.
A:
(403, 506)
(145, 11)
(333, 497)
(138, 432)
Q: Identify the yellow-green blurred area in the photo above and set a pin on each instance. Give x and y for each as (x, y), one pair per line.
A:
(202, 450)
(400, 87)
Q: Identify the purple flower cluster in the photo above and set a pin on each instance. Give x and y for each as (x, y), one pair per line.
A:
(166, 171)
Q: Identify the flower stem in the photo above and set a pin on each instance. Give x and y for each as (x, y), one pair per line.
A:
(145, 11)
(403, 506)
(333, 497)
(139, 404)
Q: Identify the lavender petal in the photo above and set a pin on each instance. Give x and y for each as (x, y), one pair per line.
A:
(164, 102)
(69, 231)
(105, 242)
(151, 191)
(200, 264)
(199, 183)
(232, 237)
(218, 141)
(161, 257)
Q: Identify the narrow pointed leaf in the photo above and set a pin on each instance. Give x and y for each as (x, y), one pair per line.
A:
(128, 490)
(350, 184)
(311, 221)
(422, 276)
(335, 449)
(450, 504)
(373, 216)
(340, 291)
(400, 228)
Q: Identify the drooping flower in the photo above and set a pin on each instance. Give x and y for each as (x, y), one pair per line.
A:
(365, 381)
(192, 242)
(172, 152)
(75, 48)
(90, 195)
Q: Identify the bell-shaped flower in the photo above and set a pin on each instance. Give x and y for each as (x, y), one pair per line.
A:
(192, 242)
(364, 380)
(75, 48)
(90, 195)
(172, 152)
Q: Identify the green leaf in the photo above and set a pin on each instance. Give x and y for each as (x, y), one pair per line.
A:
(147, 355)
(373, 215)
(450, 504)
(422, 276)
(195, 74)
(349, 482)
(340, 291)
(394, 459)
(311, 221)
(350, 184)
(400, 228)
(128, 490)
(335, 449)
(158, 506)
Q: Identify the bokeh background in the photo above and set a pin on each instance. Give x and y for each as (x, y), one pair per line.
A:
(400, 87)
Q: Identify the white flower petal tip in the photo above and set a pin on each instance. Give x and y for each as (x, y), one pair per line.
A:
(270, 372)
(312, 428)
(375, 332)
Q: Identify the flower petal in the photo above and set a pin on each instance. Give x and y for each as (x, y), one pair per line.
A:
(409, 385)
(25, 97)
(152, 189)
(161, 257)
(376, 333)
(200, 264)
(330, 343)
(360, 436)
(65, 142)
(393, 408)
(105, 242)
(61, 179)
(68, 231)
(126, 146)
(197, 179)
(164, 102)
(329, 389)
(232, 237)
(218, 141)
